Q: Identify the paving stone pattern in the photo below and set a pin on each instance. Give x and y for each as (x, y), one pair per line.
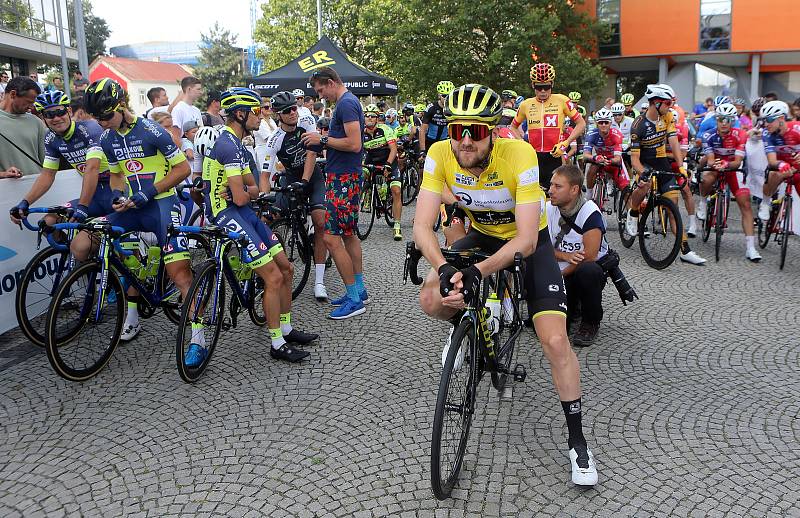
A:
(690, 406)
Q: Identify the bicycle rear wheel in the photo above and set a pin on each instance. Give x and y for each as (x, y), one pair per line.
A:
(663, 221)
(599, 192)
(766, 228)
(786, 228)
(366, 213)
(298, 251)
(719, 223)
(256, 308)
(36, 289)
(454, 410)
(622, 213)
(387, 208)
(204, 306)
(83, 325)
(709, 221)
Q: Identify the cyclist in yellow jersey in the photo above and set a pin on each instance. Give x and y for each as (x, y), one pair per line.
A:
(496, 182)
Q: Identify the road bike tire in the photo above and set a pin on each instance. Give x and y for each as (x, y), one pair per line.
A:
(719, 225)
(79, 345)
(298, 252)
(510, 328)
(709, 221)
(446, 441)
(256, 309)
(35, 291)
(652, 221)
(387, 208)
(786, 228)
(622, 213)
(366, 211)
(410, 188)
(766, 228)
(598, 192)
(204, 294)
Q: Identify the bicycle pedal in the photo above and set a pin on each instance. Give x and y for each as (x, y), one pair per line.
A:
(227, 324)
(520, 373)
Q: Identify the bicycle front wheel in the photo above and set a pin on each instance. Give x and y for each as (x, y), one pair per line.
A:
(36, 289)
(719, 224)
(83, 323)
(786, 228)
(709, 221)
(662, 221)
(455, 405)
(201, 321)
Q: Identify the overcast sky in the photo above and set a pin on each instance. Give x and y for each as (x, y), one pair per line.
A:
(165, 20)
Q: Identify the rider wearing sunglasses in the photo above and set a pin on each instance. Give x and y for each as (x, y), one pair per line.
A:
(545, 114)
(380, 144)
(496, 182)
(649, 134)
(782, 145)
(77, 143)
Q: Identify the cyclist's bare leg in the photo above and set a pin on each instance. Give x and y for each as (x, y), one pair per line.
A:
(341, 257)
(707, 183)
(430, 299)
(591, 176)
(320, 250)
(552, 333)
(273, 292)
(638, 195)
(397, 203)
(181, 274)
(688, 199)
(455, 231)
(673, 196)
(743, 200)
(287, 272)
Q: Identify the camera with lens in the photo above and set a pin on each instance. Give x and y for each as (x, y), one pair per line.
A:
(610, 264)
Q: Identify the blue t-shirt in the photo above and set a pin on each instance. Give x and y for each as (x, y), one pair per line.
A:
(348, 109)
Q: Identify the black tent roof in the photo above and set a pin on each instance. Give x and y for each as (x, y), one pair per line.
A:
(356, 78)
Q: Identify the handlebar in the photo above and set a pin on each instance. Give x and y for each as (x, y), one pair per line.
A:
(209, 230)
(114, 232)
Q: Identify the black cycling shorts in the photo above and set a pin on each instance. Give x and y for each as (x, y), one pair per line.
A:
(316, 196)
(547, 164)
(667, 181)
(546, 292)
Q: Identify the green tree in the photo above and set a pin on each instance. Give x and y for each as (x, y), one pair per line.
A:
(220, 64)
(285, 29)
(95, 28)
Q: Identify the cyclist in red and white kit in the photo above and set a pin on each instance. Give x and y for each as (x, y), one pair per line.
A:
(723, 148)
(782, 145)
(604, 146)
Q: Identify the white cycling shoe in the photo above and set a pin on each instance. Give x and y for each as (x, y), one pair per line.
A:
(692, 258)
(752, 255)
(130, 332)
(631, 225)
(459, 356)
(320, 293)
(584, 470)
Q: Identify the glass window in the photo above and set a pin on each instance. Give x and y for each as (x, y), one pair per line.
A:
(608, 12)
(142, 97)
(710, 82)
(715, 24)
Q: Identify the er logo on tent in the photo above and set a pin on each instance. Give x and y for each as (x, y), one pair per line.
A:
(316, 60)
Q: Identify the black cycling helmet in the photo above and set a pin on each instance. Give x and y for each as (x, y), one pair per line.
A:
(408, 109)
(324, 123)
(282, 100)
(103, 96)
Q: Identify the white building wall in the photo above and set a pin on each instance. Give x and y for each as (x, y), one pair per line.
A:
(138, 94)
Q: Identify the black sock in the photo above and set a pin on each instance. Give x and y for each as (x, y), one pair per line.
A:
(634, 213)
(685, 247)
(572, 411)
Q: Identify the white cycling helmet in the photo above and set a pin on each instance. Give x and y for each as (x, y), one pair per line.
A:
(774, 109)
(659, 91)
(603, 114)
(721, 99)
(644, 105)
(205, 138)
(391, 112)
(726, 110)
(297, 92)
(618, 109)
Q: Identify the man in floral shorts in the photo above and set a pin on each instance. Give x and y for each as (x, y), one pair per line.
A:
(343, 177)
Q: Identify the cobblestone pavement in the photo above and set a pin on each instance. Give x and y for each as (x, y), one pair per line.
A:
(690, 400)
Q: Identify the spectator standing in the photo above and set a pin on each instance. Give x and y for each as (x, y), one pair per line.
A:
(316, 111)
(265, 130)
(21, 133)
(164, 119)
(56, 83)
(79, 83)
(212, 116)
(35, 78)
(577, 230)
(159, 101)
(3, 83)
(343, 183)
(185, 110)
(78, 110)
(795, 107)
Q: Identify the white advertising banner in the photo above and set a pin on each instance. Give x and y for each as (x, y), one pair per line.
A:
(17, 247)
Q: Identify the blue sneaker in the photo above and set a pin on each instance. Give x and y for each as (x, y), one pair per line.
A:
(347, 309)
(195, 356)
(341, 300)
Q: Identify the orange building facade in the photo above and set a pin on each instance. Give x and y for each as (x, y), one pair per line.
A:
(703, 48)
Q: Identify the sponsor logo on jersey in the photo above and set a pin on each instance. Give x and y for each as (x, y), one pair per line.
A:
(465, 179)
(492, 176)
(134, 166)
(498, 183)
(529, 176)
(495, 199)
(551, 121)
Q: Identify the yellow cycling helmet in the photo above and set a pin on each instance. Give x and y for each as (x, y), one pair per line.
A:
(627, 99)
(419, 108)
(445, 87)
(371, 108)
(543, 73)
(475, 103)
(574, 96)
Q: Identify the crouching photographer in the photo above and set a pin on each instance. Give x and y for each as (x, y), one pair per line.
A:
(577, 230)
